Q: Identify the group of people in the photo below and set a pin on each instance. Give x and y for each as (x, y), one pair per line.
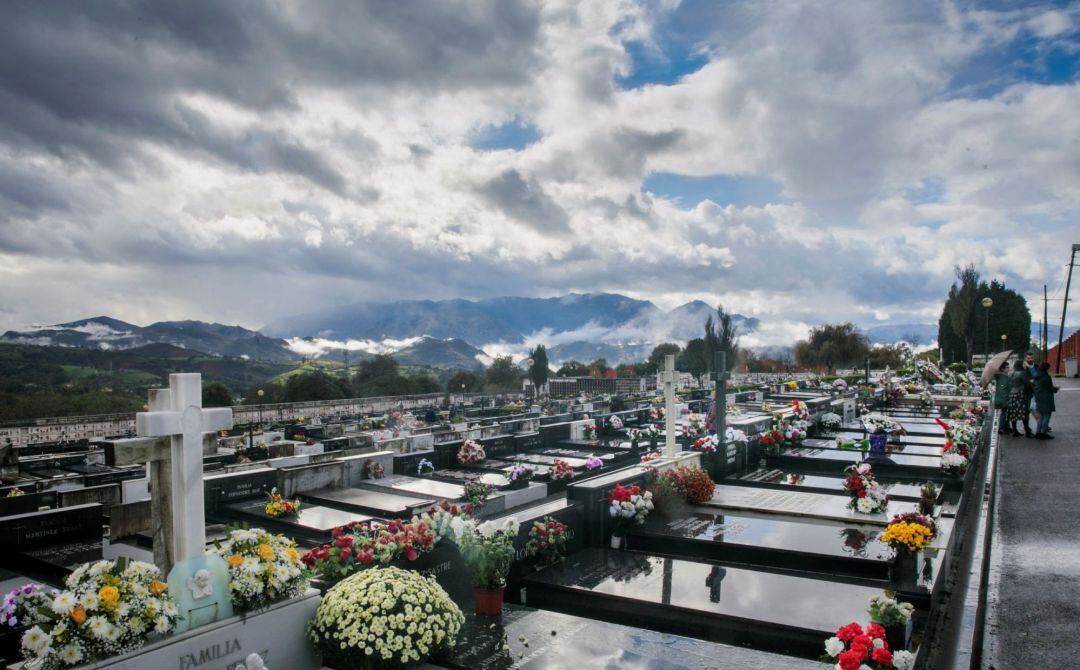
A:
(1028, 389)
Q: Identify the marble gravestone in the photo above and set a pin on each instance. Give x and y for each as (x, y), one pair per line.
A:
(198, 581)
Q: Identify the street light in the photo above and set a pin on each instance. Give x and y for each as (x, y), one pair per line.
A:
(1003, 338)
(987, 303)
(260, 393)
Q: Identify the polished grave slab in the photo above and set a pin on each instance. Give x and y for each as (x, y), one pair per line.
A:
(312, 523)
(798, 545)
(365, 501)
(415, 485)
(775, 612)
(798, 504)
(833, 461)
(524, 638)
(780, 479)
(892, 448)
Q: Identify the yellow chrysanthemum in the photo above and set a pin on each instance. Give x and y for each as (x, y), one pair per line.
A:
(109, 594)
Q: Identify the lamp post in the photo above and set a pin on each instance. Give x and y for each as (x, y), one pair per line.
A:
(260, 393)
(1003, 338)
(987, 303)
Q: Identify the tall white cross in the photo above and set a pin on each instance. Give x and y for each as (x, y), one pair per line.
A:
(668, 377)
(177, 413)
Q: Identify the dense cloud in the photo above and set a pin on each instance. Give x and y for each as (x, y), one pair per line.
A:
(241, 161)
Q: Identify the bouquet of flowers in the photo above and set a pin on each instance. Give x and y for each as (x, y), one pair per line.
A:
(470, 453)
(693, 426)
(795, 431)
(629, 507)
(929, 371)
(263, 568)
(373, 469)
(561, 470)
(831, 421)
(361, 544)
(888, 612)
(707, 444)
(615, 423)
(867, 496)
(476, 491)
(652, 456)
(589, 431)
(15, 493)
(771, 439)
(916, 517)
(839, 385)
(22, 606)
(733, 435)
(652, 432)
(852, 648)
(547, 541)
(963, 434)
(384, 618)
(425, 467)
(909, 536)
(635, 437)
(876, 421)
(954, 463)
(108, 608)
(488, 550)
(593, 463)
(520, 472)
(693, 484)
(791, 385)
(277, 507)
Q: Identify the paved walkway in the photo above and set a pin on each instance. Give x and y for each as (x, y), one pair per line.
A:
(1034, 606)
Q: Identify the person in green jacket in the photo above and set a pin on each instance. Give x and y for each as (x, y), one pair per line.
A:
(1001, 395)
(1044, 391)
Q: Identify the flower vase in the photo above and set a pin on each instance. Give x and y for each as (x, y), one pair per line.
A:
(904, 570)
(877, 446)
(616, 541)
(898, 636)
(488, 601)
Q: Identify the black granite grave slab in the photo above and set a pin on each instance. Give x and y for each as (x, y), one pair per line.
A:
(27, 502)
(47, 544)
(891, 448)
(593, 494)
(527, 442)
(779, 479)
(311, 524)
(363, 501)
(906, 440)
(562, 510)
(406, 464)
(776, 612)
(220, 489)
(778, 542)
(415, 486)
(833, 461)
(528, 639)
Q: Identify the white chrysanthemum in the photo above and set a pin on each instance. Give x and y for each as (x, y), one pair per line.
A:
(903, 660)
(35, 640)
(71, 654)
(98, 626)
(63, 603)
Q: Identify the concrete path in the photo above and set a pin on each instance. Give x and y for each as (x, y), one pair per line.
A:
(1033, 612)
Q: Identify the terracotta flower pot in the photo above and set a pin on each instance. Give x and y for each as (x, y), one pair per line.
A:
(488, 601)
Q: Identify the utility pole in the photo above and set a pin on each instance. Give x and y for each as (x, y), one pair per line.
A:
(1064, 308)
(1045, 326)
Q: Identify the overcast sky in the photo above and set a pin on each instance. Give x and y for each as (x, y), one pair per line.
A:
(797, 161)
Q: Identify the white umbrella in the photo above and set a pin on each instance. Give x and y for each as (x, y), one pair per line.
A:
(991, 367)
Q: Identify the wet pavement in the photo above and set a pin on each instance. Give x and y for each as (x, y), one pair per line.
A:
(1034, 597)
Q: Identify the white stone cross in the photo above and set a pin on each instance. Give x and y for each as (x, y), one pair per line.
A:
(177, 413)
(668, 378)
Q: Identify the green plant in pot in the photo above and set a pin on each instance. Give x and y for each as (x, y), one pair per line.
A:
(488, 550)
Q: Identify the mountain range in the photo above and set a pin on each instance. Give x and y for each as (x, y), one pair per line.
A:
(449, 334)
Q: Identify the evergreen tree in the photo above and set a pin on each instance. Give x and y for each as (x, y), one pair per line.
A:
(538, 367)
(832, 345)
(216, 394)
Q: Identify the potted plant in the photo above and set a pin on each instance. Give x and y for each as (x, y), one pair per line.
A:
(488, 550)
(547, 542)
(928, 498)
(629, 507)
(907, 538)
(476, 491)
(519, 475)
(895, 617)
(414, 617)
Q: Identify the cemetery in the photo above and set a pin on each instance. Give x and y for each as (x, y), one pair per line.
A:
(747, 532)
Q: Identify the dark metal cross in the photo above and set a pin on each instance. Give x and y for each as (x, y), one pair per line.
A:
(720, 376)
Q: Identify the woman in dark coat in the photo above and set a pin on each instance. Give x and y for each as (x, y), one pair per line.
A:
(1044, 390)
(1019, 390)
(1001, 395)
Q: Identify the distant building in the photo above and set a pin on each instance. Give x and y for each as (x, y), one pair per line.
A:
(1071, 356)
(566, 387)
